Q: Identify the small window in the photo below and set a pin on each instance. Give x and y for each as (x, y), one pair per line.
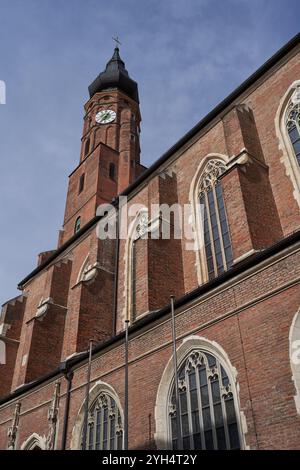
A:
(77, 225)
(132, 137)
(112, 171)
(87, 147)
(81, 183)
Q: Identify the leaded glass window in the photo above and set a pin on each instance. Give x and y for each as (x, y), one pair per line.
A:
(105, 430)
(207, 411)
(293, 127)
(217, 242)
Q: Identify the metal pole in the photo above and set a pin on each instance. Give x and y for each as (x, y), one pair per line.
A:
(69, 376)
(178, 424)
(117, 249)
(126, 388)
(86, 410)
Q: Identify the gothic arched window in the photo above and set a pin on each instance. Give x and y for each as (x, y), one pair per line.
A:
(217, 244)
(34, 442)
(293, 125)
(137, 253)
(208, 416)
(105, 429)
(77, 225)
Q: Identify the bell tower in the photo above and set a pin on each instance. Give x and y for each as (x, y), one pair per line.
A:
(110, 146)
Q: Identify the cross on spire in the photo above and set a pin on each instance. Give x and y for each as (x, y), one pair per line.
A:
(116, 39)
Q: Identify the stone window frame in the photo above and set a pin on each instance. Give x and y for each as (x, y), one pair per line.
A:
(197, 226)
(294, 345)
(162, 434)
(98, 388)
(288, 158)
(34, 440)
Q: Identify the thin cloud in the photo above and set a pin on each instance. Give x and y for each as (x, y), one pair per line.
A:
(186, 56)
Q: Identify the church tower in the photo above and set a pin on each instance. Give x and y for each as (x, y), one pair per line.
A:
(110, 146)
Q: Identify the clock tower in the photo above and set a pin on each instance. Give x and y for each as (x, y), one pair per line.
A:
(110, 146)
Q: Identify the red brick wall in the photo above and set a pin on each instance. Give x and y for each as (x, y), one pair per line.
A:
(250, 320)
(7, 369)
(43, 356)
(255, 337)
(251, 212)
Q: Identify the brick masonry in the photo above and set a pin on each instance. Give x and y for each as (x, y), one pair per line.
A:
(249, 316)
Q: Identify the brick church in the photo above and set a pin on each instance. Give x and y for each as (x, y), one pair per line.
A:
(237, 293)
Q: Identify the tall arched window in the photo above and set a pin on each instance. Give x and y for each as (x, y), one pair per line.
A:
(105, 429)
(77, 225)
(208, 417)
(137, 272)
(217, 244)
(293, 123)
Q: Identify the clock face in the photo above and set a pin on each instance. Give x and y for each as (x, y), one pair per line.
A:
(105, 116)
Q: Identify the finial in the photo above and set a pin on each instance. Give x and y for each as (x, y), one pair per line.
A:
(116, 39)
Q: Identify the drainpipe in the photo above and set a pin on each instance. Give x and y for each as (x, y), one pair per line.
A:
(115, 306)
(68, 373)
(126, 387)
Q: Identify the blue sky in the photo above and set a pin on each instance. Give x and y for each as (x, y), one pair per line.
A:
(186, 56)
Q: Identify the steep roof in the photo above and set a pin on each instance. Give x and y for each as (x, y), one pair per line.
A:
(115, 75)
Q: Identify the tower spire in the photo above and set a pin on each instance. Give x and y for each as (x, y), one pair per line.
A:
(115, 75)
